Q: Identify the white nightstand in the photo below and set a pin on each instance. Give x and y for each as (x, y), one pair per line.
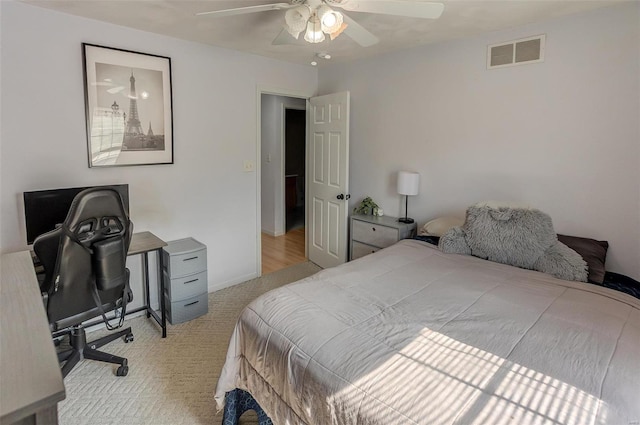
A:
(370, 234)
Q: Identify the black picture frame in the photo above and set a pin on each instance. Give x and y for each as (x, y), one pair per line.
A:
(128, 107)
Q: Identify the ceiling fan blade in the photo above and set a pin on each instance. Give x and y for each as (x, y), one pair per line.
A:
(412, 9)
(248, 9)
(358, 33)
(284, 38)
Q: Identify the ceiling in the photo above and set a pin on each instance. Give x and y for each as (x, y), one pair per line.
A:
(253, 33)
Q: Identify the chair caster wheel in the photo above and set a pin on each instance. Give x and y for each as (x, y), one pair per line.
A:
(122, 370)
(128, 338)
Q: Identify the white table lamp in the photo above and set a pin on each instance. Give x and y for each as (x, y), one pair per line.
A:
(408, 185)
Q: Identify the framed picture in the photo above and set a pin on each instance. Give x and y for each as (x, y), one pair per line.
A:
(128, 107)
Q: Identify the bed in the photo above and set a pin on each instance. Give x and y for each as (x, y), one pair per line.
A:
(411, 335)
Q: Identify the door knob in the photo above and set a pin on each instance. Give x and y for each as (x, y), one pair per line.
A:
(341, 196)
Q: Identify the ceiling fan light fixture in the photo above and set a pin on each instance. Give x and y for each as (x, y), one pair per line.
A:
(330, 20)
(294, 34)
(314, 32)
(339, 31)
(296, 19)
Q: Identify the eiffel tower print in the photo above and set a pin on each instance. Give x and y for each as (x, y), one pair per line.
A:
(133, 123)
(134, 137)
(129, 107)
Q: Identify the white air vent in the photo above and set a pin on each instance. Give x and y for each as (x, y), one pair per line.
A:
(516, 52)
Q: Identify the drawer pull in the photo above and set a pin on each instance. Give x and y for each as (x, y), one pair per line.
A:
(195, 302)
(373, 228)
(189, 259)
(190, 281)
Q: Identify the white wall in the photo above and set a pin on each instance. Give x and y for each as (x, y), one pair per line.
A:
(273, 169)
(562, 135)
(205, 194)
(436, 109)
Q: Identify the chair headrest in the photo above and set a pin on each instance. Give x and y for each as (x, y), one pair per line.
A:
(95, 203)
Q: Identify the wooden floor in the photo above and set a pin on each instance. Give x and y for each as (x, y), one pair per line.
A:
(283, 251)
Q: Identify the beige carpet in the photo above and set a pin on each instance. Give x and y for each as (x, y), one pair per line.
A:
(172, 380)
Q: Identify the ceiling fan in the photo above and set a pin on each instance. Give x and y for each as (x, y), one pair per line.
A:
(317, 17)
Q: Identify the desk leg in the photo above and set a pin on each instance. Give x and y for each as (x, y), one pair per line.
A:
(145, 273)
(163, 313)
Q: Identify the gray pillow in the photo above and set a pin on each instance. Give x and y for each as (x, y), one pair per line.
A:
(515, 236)
(519, 236)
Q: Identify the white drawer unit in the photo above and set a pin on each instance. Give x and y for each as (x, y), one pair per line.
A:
(184, 257)
(374, 233)
(184, 287)
(360, 249)
(371, 233)
(185, 277)
(187, 309)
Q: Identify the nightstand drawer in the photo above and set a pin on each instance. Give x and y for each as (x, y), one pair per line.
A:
(184, 287)
(374, 234)
(360, 250)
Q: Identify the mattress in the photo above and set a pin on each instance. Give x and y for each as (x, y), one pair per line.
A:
(410, 335)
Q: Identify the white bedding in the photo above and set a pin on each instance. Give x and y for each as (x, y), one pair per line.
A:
(410, 335)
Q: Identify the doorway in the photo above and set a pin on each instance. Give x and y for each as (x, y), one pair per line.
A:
(282, 185)
(294, 167)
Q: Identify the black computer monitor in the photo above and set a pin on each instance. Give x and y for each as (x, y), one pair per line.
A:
(44, 209)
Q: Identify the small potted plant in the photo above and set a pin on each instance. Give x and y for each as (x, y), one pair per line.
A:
(367, 207)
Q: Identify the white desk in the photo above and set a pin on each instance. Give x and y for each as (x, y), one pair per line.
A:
(31, 380)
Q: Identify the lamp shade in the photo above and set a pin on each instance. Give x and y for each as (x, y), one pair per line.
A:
(314, 32)
(408, 183)
(296, 20)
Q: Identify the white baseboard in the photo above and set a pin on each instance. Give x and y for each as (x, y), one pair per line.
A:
(235, 281)
(211, 288)
(274, 233)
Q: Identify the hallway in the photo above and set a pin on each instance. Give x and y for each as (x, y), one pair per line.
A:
(279, 252)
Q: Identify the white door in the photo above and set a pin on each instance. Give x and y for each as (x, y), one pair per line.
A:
(328, 179)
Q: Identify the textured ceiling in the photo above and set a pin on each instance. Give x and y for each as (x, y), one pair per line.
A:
(253, 33)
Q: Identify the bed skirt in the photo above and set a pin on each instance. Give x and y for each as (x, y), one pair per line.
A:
(239, 401)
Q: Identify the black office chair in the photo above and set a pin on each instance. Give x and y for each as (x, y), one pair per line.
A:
(84, 260)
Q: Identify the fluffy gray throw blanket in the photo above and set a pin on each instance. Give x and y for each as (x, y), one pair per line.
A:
(521, 237)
